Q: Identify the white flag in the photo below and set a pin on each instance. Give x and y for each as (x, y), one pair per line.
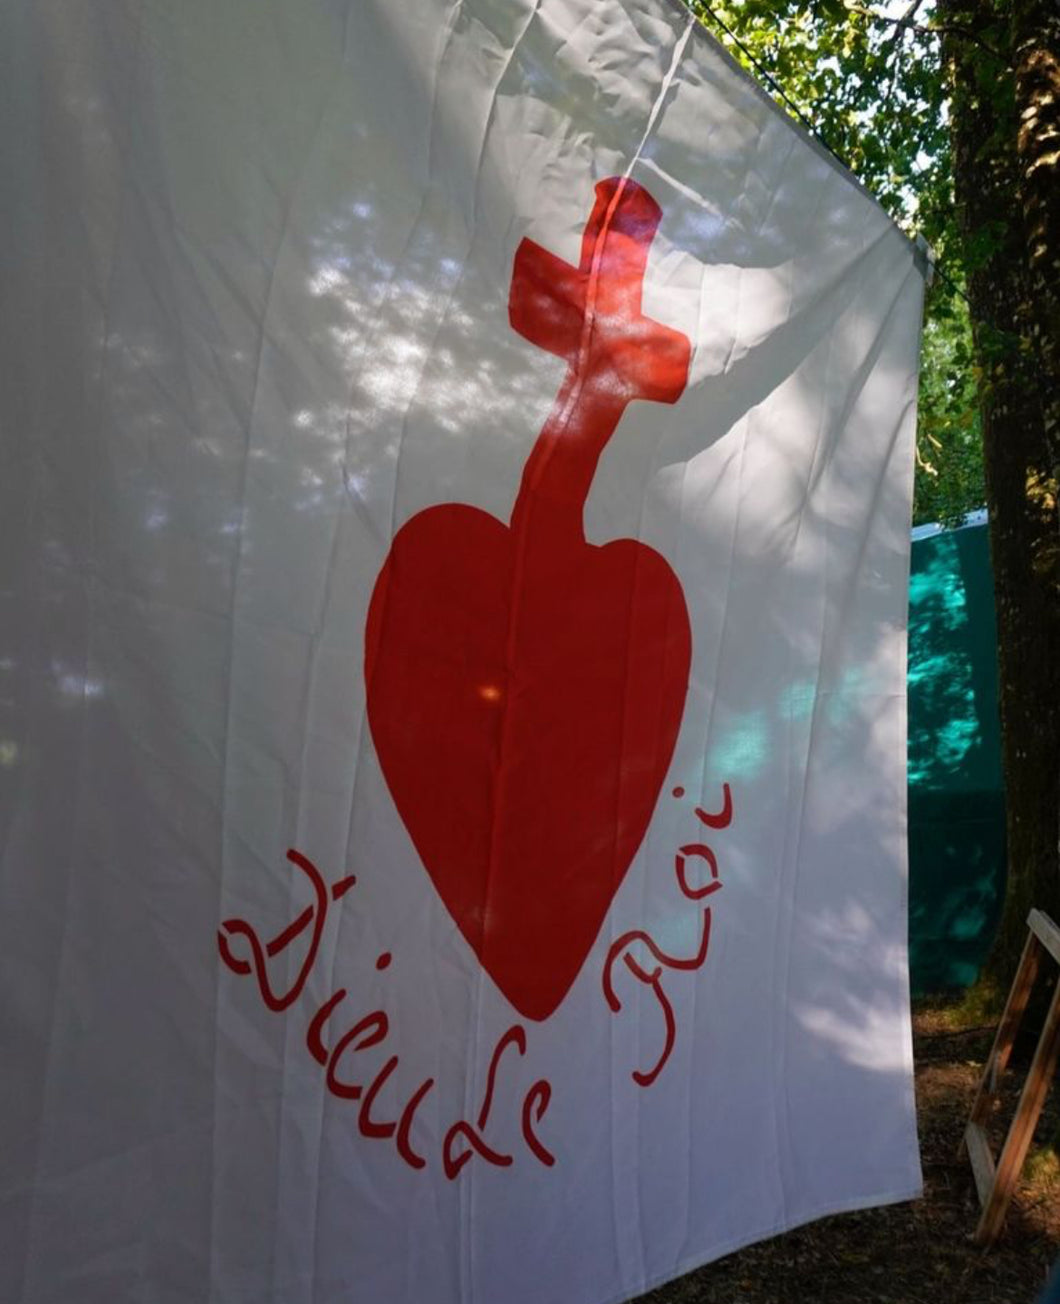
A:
(457, 469)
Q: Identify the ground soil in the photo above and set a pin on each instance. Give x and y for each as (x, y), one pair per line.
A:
(921, 1252)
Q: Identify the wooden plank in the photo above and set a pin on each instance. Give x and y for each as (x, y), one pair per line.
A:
(1017, 1143)
(1019, 994)
(982, 1161)
(1046, 932)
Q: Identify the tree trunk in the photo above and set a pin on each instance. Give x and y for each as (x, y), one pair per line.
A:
(1006, 185)
(1036, 47)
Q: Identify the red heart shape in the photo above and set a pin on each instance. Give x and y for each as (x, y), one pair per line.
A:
(524, 687)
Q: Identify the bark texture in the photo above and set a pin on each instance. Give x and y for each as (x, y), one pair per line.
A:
(1004, 64)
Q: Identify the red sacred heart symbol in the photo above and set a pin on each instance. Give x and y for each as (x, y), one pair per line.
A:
(525, 687)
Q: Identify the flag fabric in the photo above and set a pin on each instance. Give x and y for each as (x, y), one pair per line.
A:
(457, 470)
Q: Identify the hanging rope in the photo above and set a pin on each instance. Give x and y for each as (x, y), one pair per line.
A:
(779, 91)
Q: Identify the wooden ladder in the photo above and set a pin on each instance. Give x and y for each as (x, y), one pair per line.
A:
(996, 1182)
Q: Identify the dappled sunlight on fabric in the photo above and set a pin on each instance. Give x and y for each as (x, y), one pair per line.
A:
(862, 1033)
(858, 1023)
(332, 513)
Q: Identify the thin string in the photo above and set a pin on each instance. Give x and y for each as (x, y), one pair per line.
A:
(768, 77)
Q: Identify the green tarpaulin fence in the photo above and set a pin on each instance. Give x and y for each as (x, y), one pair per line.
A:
(956, 800)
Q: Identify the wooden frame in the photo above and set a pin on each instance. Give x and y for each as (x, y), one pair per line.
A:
(996, 1182)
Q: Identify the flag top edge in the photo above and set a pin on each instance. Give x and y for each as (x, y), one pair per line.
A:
(923, 262)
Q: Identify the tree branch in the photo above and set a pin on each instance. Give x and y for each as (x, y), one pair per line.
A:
(898, 46)
(905, 22)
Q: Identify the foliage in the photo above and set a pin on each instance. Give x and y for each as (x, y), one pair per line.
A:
(1003, 62)
(874, 89)
(949, 471)
(949, 110)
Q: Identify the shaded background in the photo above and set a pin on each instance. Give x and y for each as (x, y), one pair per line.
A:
(956, 797)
